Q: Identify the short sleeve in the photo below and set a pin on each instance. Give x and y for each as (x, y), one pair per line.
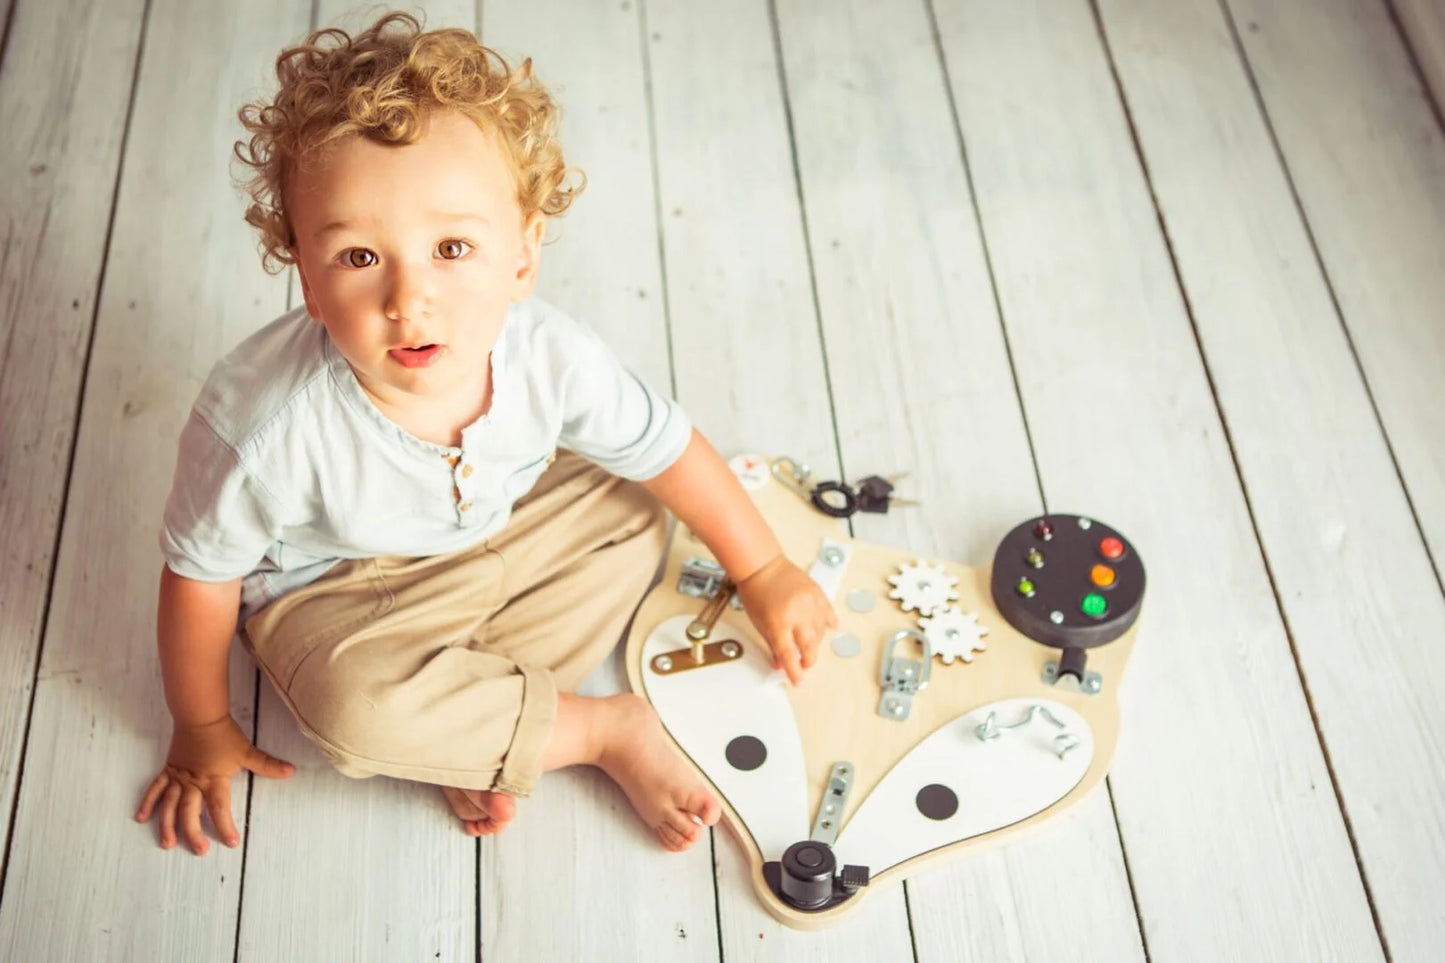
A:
(613, 418)
(219, 520)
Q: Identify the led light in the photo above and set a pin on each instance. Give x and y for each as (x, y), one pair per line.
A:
(1102, 576)
(1094, 605)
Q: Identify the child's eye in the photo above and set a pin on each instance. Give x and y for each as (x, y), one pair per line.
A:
(358, 257)
(452, 249)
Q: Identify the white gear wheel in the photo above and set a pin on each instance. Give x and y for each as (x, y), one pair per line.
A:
(953, 634)
(922, 587)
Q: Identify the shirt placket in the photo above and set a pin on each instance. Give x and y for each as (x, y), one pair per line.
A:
(464, 487)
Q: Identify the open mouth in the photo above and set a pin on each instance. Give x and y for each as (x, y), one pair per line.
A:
(416, 357)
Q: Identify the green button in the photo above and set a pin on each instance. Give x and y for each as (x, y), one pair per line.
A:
(1025, 588)
(1094, 605)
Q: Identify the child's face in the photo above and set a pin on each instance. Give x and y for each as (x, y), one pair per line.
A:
(410, 255)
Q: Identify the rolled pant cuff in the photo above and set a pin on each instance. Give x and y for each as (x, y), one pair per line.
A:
(522, 766)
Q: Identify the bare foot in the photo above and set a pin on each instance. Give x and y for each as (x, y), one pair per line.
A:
(481, 811)
(671, 798)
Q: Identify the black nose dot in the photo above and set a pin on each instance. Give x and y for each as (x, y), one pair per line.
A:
(937, 802)
(747, 753)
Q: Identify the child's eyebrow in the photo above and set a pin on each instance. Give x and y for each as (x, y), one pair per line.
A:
(450, 217)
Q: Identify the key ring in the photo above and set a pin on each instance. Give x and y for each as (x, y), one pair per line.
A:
(820, 502)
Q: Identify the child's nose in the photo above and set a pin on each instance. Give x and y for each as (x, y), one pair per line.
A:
(408, 296)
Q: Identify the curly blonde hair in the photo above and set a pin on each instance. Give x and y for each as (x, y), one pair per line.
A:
(380, 84)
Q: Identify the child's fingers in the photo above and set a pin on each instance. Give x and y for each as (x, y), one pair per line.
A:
(190, 816)
(153, 792)
(169, 800)
(218, 804)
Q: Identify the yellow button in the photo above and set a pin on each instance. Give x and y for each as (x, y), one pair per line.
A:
(464, 506)
(1102, 575)
(453, 459)
(466, 471)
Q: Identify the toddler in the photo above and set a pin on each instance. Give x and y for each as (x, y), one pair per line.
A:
(373, 485)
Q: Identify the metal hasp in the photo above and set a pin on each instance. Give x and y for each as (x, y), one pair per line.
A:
(903, 678)
(805, 877)
(700, 578)
(680, 660)
(835, 798)
(700, 628)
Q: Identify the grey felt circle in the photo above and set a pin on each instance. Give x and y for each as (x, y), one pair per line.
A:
(746, 753)
(861, 600)
(937, 802)
(846, 645)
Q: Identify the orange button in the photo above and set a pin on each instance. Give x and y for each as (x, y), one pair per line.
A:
(464, 506)
(466, 471)
(1102, 575)
(1111, 548)
(453, 459)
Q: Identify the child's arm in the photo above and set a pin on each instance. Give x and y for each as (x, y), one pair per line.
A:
(785, 605)
(194, 624)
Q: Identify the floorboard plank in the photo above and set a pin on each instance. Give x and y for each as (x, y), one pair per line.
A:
(172, 301)
(1225, 806)
(606, 889)
(750, 364)
(386, 864)
(1423, 22)
(1353, 576)
(922, 383)
(57, 193)
(1368, 161)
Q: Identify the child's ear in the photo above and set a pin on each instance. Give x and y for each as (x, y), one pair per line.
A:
(528, 259)
(305, 288)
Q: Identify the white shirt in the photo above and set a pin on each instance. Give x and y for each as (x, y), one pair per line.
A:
(286, 466)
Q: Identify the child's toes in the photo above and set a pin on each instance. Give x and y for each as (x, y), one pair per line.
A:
(671, 839)
(704, 806)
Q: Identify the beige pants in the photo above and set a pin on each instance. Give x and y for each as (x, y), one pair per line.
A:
(446, 669)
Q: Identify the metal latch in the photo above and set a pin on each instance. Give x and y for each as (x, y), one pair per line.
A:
(835, 797)
(903, 678)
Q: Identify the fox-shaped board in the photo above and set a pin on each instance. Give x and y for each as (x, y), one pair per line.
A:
(930, 723)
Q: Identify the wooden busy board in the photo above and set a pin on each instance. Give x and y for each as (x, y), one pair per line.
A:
(999, 785)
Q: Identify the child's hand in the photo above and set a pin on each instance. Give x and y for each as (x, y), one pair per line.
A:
(790, 611)
(198, 771)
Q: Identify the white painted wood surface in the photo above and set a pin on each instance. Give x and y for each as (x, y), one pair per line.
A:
(1352, 572)
(1217, 741)
(922, 384)
(678, 112)
(55, 202)
(1424, 24)
(1368, 160)
(83, 881)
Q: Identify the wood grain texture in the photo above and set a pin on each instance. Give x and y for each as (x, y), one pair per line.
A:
(64, 88)
(1223, 799)
(605, 889)
(1353, 576)
(922, 384)
(384, 862)
(1424, 24)
(750, 366)
(1368, 160)
(84, 882)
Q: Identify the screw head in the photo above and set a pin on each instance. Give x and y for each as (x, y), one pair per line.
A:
(1056, 617)
(731, 649)
(662, 663)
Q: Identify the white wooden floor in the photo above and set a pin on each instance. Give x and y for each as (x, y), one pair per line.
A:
(1179, 264)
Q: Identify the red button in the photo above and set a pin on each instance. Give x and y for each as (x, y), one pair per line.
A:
(1111, 548)
(1044, 530)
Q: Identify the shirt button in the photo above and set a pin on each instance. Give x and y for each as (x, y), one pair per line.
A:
(464, 506)
(456, 494)
(453, 459)
(466, 471)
